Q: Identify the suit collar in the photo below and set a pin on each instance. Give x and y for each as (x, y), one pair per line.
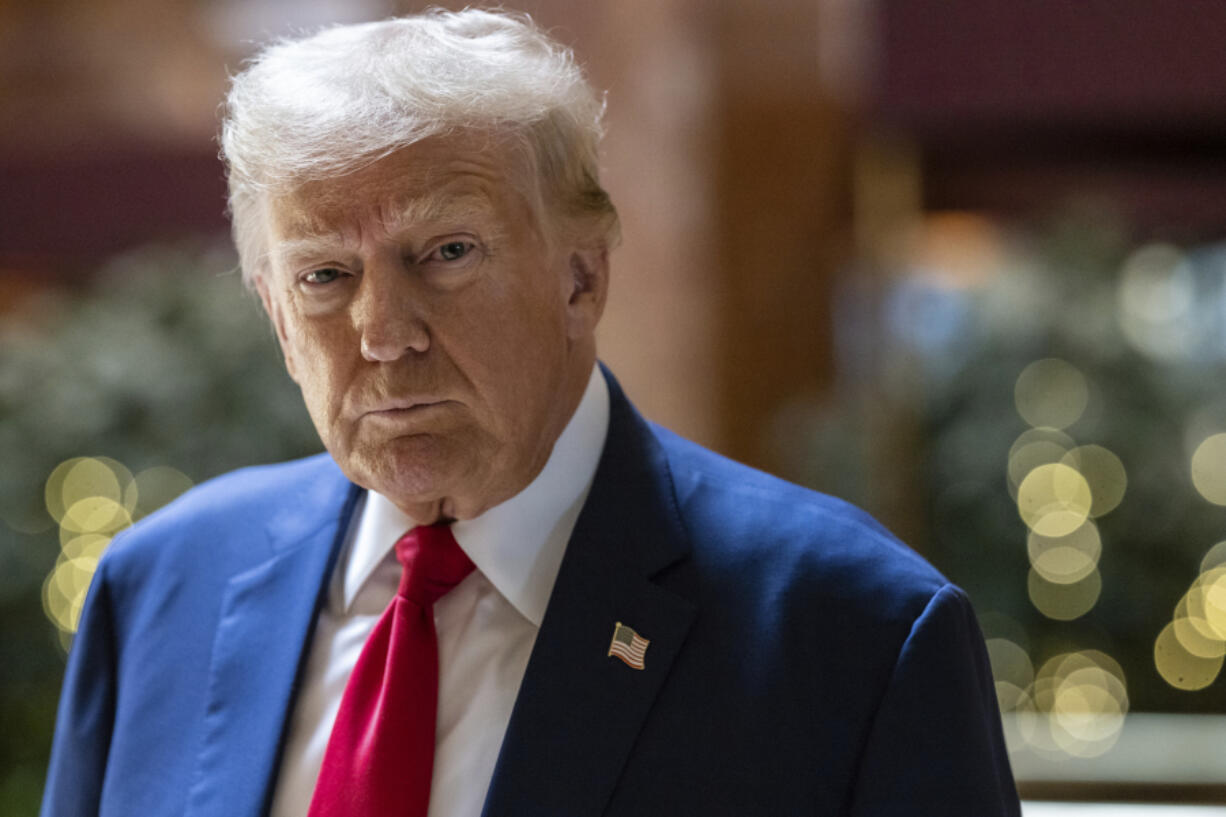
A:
(265, 626)
(579, 709)
(632, 508)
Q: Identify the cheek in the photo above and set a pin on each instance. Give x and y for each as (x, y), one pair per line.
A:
(530, 358)
(316, 355)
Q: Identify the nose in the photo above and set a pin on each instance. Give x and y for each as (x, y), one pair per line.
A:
(389, 314)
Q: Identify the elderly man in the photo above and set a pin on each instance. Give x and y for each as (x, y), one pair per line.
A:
(501, 591)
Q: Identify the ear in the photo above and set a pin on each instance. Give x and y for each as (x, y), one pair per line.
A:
(273, 309)
(589, 277)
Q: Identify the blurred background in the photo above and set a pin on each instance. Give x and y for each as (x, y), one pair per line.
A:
(961, 262)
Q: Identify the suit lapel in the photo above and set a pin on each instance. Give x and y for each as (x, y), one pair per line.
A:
(579, 710)
(267, 617)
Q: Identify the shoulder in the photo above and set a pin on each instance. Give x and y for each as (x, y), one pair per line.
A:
(790, 540)
(221, 525)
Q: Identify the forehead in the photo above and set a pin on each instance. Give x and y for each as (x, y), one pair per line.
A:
(450, 178)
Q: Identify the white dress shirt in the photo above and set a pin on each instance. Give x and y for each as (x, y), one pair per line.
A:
(486, 625)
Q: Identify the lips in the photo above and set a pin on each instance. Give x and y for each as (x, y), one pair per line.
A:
(405, 407)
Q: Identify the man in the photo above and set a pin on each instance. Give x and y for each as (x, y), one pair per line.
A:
(629, 625)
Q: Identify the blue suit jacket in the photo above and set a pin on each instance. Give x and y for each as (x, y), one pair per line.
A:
(802, 660)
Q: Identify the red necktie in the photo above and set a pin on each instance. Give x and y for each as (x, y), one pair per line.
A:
(381, 752)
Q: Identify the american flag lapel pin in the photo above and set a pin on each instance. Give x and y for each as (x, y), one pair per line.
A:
(628, 645)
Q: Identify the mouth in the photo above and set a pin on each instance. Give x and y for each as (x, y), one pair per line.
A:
(407, 408)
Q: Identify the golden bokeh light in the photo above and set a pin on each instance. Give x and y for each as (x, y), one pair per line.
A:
(1020, 728)
(122, 475)
(1207, 598)
(1080, 701)
(86, 480)
(53, 492)
(1010, 697)
(153, 488)
(1051, 392)
(1198, 632)
(88, 545)
(1209, 469)
(1073, 662)
(1086, 716)
(64, 590)
(1033, 727)
(1181, 668)
(1065, 559)
(1041, 434)
(1196, 636)
(1054, 500)
(1214, 557)
(1030, 456)
(1010, 663)
(95, 514)
(1064, 602)
(1105, 474)
(1035, 447)
(92, 499)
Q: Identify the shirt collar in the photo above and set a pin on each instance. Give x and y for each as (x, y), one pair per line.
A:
(518, 545)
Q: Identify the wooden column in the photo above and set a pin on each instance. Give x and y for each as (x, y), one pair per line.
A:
(783, 218)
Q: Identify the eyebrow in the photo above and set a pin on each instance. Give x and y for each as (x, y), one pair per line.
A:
(291, 250)
(314, 237)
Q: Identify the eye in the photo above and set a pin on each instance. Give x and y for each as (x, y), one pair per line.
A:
(322, 276)
(454, 250)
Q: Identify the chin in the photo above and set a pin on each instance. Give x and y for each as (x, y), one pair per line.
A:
(417, 470)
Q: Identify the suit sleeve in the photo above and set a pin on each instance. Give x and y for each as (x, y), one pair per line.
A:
(936, 746)
(86, 711)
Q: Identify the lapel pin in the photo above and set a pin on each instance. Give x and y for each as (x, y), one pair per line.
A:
(628, 645)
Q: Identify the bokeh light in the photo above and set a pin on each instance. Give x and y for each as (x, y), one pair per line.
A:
(1065, 559)
(89, 545)
(1155, 298)
(1103, 472)
(64, 591)
(1010, 663)
(1189, 651)
(1064, 602)
(1025, 458)
(1214, 557)
(1194, 632)
(1181, 668)
(1209, 469)
(1051, 392)
(92, 499)
(1076, 705)
(1088, 700)
(153, 488)
(1041, 434)
(1054, 500)
(1035, 447)
(1206, 600)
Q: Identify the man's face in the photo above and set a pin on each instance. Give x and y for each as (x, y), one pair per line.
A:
(441, 335)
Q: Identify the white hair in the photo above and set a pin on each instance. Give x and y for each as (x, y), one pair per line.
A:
(334, 102)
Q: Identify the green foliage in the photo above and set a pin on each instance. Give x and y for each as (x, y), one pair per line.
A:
(1063, 300)
(949, 363)
(163, 360)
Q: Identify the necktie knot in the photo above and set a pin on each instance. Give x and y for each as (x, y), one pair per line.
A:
(380, 755)
(433, 563)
